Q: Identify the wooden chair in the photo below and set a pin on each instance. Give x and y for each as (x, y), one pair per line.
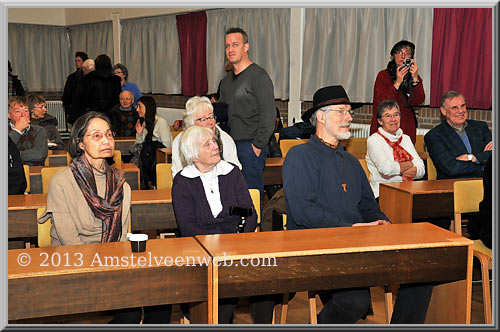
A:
(466, 198)
(356, 146)
(255, 194)
(44, 239)
(420, 144)
(286, 144)
(117, 158)
(365, 168)
(47, 173)
(431, 170)
(27, 176)
(164, 178)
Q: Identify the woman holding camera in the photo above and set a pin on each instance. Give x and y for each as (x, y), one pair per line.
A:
(202, 195)
(400, 81)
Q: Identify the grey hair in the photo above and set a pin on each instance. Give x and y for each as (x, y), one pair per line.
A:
(192, 106)
(190, 142)
(314, 120)
(386, 105)
(450, 95)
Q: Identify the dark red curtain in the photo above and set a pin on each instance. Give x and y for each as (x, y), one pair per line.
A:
(462, 55)
(192, 29)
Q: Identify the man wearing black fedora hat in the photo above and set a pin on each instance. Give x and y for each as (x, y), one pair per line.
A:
(326, 187)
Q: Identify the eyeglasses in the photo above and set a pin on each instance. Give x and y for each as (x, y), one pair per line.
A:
(118, 72)
(390, 116)
(41, 106)
(205, 119)
(341, 112)
(125, 98)
(402, 53)
(97, 135)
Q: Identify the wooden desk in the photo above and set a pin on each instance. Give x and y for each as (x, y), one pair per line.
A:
(151, 209)
(123, 144)
(402, 202)
(57, 158)
(322, 259)
(132, 176)
(107, 279)
(163, 155)
(273, 171)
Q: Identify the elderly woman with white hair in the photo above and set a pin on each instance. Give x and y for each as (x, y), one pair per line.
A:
(202, 195)
(200, 112)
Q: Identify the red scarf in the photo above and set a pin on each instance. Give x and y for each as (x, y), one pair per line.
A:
(400, 154)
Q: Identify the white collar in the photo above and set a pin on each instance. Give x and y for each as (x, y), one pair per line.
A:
(222, 168)
(391, 137)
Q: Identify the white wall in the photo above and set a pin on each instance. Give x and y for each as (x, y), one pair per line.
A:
(70, 16)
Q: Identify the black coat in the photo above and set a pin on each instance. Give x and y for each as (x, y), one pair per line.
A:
(17, 179)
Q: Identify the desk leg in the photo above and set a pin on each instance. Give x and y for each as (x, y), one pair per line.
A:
(451, 302)
(199, 313)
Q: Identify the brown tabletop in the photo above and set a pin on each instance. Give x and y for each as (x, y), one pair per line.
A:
(150, 210)
(163, 155)
(402, 202)
(96, 277)
(321, 259)
(273, 171)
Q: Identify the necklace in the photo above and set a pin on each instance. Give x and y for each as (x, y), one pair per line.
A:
(98, 171)
(336, 147)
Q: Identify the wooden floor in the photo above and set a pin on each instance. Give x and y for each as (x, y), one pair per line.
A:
(298, 312)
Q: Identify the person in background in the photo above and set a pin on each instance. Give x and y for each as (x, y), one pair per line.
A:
(31, 140)
(390, 154)
(199, 112)
(39, 116)
(14, 84)
(124, 116)
(16, 176)
(249, 93)
(88, 66)
(121, 71)
(203, 192)
(458, 147)
(152, 132)
(400, 81)
(70, 87)
(99, 90)
(325, 187)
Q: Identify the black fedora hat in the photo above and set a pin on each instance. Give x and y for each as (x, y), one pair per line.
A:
(329, 95)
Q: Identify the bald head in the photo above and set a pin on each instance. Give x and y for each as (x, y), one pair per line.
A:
(126, 99)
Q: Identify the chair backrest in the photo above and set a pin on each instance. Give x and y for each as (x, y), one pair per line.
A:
(467, 195)
(164, 178)
(255, 194)
(117, 158)
(27, 176)
(43, 237)
(356, 145)
(420, 144)
(68, 158)
(431, 169)
(365, 167)
(47, 173)
(175, 133)
(286, 144)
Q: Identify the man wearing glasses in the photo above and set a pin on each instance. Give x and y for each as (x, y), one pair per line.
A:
(72, 83)
(326, 187)
(31, 140)
(39, 117)
(124, 115)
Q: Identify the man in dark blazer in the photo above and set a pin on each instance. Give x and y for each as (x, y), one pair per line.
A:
(459, 148)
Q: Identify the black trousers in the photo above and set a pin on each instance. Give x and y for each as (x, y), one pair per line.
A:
(159, 314)
(148, 160)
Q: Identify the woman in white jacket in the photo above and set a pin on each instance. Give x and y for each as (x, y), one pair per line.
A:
(153, 132)
(200, 112)
(391, 156)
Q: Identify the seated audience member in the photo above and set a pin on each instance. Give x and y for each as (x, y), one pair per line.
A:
(124, 115)
(122, 72)
(203, 192)
(458, 147)
(88, 201)
(16, 176)
(97, 91)
(31, 140)
(39, 117)
(152, 132)
(326, 187)
(199, 112)
(481, 226)
(390, 155)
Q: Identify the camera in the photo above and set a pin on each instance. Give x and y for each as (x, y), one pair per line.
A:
(243, 213)
(407, 62)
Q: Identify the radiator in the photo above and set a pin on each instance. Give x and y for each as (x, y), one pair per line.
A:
(363, 130)
(55, 108)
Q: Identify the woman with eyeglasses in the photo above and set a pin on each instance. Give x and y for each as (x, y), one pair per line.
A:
(200, 112)
(152, 132)
(400, 81)
(390, 154)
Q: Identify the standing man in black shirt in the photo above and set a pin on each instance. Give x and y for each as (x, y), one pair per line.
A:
(248, 91)
(72, 82)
